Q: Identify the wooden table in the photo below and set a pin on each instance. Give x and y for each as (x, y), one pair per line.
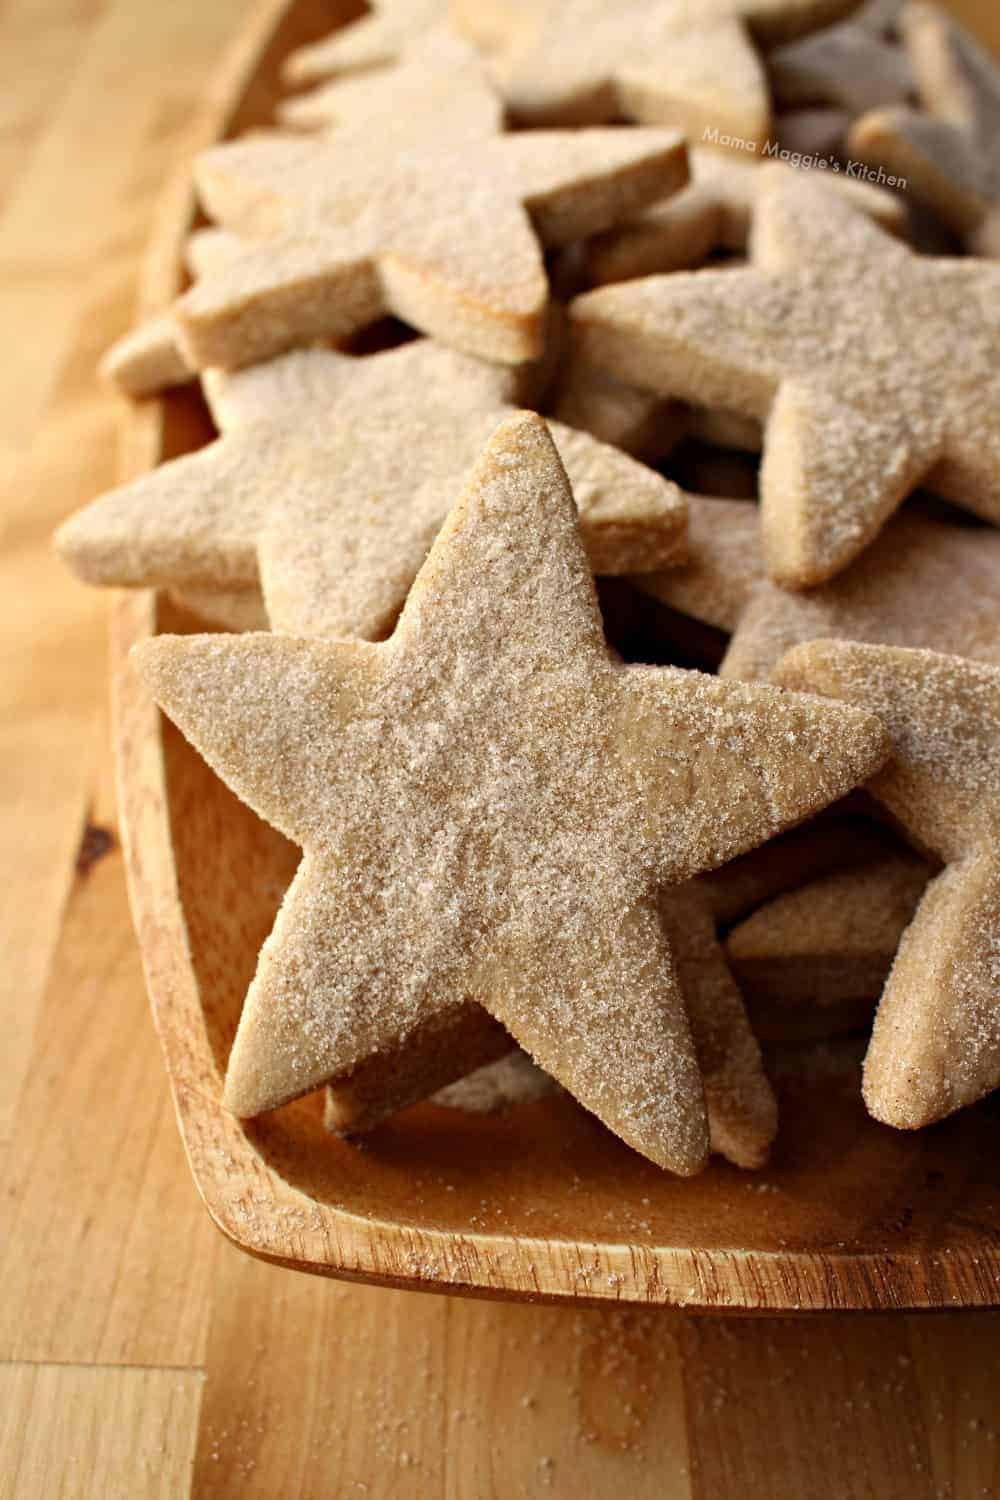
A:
(140, 1355)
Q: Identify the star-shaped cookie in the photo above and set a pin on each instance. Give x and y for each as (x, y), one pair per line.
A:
(853, 66)
(331, 478)
(718, 581)
(630, 419)
(714, 212)
(644, 425)
(836, 840)
(739, 1102)
(874, 369)
(830, 940)
(151, 356)
(580, 62)
(948, 152)
(882, 599)
(440, 85)
(936, 1042)
(488, 806)
(147, 359)
(376, 40)
(446, 235)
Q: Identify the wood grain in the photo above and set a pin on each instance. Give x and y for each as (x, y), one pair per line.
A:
(459, 1398)
(123, 1267)
(957, 1370)
(832, 1410)
(97, 1169)
(571, 1213)
(66, 284)
(75, 1431)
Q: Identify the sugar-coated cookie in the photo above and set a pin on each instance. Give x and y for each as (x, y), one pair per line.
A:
(715, 212)
(831, 940)
(922, 583)
(376, 40)
(330, 480)
(488, 806)
(947, 152)
(446, 235)
(579, 62)
(874, 369)
(936, 1042)
(439, 86)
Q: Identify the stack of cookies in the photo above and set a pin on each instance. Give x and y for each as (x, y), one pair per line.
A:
(595, 563)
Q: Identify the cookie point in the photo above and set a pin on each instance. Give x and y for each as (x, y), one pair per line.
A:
(147, 657)
(66, 541)
(236, 1097)
(900, 1108)
(525, 422)
(691, 1162)
(798, 665)
(522, 434)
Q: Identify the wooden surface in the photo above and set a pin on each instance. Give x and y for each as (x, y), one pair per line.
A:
(139, 1354)
(539, 1203)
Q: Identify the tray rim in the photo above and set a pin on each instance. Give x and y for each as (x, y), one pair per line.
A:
(247, 1199)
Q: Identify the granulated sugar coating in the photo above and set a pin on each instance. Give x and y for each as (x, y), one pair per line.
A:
(919, 584)
(724, 564)
(739, 1102)
(716, 210)
(342, 231)
(874, 368)
(331, 479)
(489, 805)
(690, 62)
(832, 939)
(147, 359)
(440, 86)
(936, 1042)
(742, 1110)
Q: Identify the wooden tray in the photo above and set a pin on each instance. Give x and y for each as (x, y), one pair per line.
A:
(541, 1202)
